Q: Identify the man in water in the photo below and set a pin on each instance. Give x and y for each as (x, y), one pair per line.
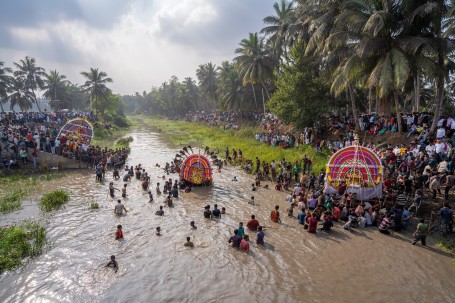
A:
(112, 264)
(160, 212)
(241, 230)
(235, 239)
(126, 177)
(169, 201)
(421, 233)
(207, 212)
(275, 215)
(158, 231)
(150, 196)
(188, 243)
(192, 225)
(253, 224)
(244, 244)
(119, 233)
(251, 201)
(119, 208)
(260, 236)
(216, 211)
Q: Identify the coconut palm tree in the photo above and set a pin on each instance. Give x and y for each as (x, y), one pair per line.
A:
(255, 62)
(32, 76)
(206, 75)
(279, 30)
(95, 85)
(190, 93)
(20, 95)
(5, 83)
(230, 88)
(55, 86)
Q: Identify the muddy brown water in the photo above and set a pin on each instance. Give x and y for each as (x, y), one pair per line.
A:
(294, 266)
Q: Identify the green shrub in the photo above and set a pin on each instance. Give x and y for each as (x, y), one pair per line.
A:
(94, 205)
(54, 200)
(12, 200)
(19, 242)
(123, 142)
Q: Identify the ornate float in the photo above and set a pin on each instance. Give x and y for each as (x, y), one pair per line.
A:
(195, 168)
(358, 168)
(78, 129)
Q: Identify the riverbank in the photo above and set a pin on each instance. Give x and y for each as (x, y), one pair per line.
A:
(184, 133)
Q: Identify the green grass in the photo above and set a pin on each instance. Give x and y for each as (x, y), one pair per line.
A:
(105, 137)
(54, 200)
(447, 246)
(14, 187)
(197, 134)
(123, 142)
(94, 205)
(19, 242)
(12, 200)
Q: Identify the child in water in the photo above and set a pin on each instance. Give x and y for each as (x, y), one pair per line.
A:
(112, 264)
(124, 191)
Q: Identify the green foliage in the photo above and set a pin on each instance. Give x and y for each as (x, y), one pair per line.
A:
(302, 95)
(123, 142)
(54, 200)
(12, 200)
(19, 242)
(94, 205)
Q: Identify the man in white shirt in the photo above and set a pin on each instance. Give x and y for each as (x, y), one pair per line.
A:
(440, 133)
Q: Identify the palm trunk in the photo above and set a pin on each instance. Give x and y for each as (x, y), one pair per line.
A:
(440, 78)
(1, 106)
(254, 95)
(36, 101)
(266, 92)
(417, 91)
(398, 110)
(370, 101)
(355, 114)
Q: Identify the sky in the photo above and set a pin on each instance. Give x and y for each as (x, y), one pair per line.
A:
(138, 43)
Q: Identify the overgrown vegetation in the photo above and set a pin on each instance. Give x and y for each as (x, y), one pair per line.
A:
(105, 137)
(54, 200)
(196, 134)
(447, 245)
(14, 187)
(94, 205)
(20, 242)
(123, 142)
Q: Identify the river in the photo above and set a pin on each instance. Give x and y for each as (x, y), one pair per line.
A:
(294, 266)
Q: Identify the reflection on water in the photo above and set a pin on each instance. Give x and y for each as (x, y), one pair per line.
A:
(293, 267)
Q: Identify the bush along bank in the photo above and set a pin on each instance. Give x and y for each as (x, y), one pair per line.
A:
(54, 200)
(20, 242)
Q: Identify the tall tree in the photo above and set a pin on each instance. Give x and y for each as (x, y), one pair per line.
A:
(255, 62)
(20, 95)
(32, 76)
(206, 75)
(5, 83)
(95, 85)
(279, 28)
(55, 89)
(230, 88)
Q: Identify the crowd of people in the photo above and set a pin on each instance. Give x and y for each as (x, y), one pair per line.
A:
(23, 135)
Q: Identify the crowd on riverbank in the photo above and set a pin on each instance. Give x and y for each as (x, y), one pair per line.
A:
(23, 135)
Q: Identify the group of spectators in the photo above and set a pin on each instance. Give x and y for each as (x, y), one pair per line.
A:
(24, 135)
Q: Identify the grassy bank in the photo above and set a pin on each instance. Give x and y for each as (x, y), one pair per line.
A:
(123, 142)
(54, 200)
(447, 245)
(20, 242)
(197, 134)
(107, 137)
(16, 186)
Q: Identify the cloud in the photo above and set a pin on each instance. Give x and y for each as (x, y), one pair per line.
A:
(138, 43)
